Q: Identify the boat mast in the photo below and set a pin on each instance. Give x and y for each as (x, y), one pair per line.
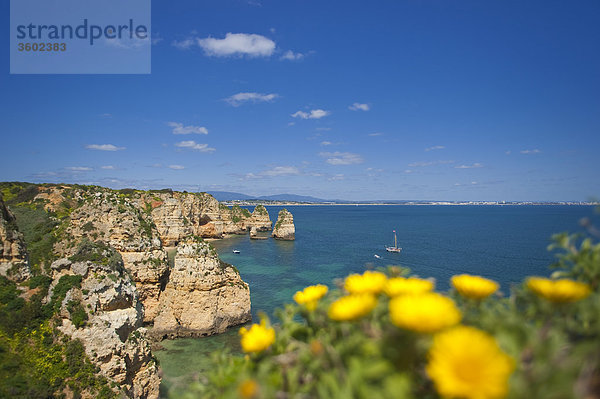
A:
(395, 242)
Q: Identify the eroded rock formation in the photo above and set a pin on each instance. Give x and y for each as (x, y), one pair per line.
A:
(284, 227)
(204, 295)
(132, 281)
(260, 219)
(103, 311)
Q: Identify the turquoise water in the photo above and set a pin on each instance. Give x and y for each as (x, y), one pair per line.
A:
(505, 243)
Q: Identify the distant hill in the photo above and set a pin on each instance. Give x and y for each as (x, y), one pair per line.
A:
(291, 197)
(230, 196)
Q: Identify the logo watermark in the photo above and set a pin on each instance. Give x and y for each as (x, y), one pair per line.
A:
(80, 37)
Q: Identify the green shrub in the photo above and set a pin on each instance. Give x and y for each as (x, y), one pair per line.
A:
(37, 227)
(536, 343)
(65, 284)
(100, 253)
(78, 313)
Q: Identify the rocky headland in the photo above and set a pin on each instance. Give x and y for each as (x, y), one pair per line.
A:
(135, 265)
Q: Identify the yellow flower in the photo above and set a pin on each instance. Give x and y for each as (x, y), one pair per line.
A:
(351, 307)
(316, 348)
(402, 286)
(425, 313)
(310, 296)
(474, 287)
(367, 283)
(558, 291)
(248, 389)
(258, 338)
(465, 362)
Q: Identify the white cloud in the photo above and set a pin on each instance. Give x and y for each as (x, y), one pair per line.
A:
(281, 171)
(420, 164)
(431, 163)
(508, 152)
(78, 168)
(473, 166)
(326, 143)
(473, 183)
(323, 129)
(240, 98)
(435, 147)
(108, 167)
(178, 128)
(184, 44)
(191, 144)
(359, 107)
(176, 167)
(291, 56)
(534, 151)
(104, 147)
(375, 134)
(106, 115)
(274, 172)
(341, 158)
(251, 176)
(238, 44)
(127, 44)
(313, 114)
(336, 177)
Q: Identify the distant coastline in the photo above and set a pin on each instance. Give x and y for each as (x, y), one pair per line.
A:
(412, 203)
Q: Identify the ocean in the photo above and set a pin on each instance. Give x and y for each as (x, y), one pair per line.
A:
(504, 243)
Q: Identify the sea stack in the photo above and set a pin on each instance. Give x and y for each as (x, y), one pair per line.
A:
(284, 228)
(260, 218)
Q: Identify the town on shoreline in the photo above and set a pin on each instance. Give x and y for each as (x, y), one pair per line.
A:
(388, 203)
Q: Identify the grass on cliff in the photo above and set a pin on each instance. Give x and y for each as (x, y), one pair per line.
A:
(100, 253)
(37, 227)
(36, 360)
(280, 217)
(238, 213)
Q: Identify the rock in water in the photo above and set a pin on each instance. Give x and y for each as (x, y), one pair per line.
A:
(284, 228)
(203, 296)
(260, 219)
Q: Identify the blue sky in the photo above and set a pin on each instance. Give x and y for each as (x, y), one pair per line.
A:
(462, 100)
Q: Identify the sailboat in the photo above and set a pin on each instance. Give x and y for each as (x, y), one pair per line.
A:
(395, 247)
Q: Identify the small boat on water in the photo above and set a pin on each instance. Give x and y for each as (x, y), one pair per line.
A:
(236, 251)
(377, 256)
(395, 247)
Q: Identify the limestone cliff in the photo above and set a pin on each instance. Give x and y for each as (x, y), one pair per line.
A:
(141, 226)
(204, 295)
(113, 244)
(117, 220)
(179, 215)
(103, 311)
(284, 227)
(13, 256)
